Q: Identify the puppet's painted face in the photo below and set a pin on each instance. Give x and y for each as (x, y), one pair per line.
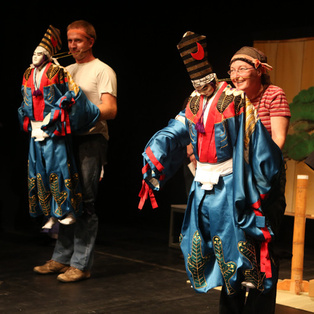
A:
(39, 57)
(206, 90)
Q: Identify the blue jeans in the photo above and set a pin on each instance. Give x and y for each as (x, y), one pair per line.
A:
(75, 244)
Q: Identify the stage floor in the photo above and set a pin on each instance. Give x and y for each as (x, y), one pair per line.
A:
(134, 272)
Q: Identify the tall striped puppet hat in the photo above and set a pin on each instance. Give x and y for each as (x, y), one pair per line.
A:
(51, 40)
(193, 51)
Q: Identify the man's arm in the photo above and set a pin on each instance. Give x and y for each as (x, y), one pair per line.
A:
(108, 107)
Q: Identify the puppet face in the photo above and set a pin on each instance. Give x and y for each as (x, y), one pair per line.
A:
(244, 76)
(206, 90)
(39, 56)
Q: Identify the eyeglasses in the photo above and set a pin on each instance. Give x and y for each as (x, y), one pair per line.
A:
(241, 71)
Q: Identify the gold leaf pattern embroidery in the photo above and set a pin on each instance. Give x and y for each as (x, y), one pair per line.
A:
(58, 196)
(194, 103)
(250, 122)
(224, 101)
(228, 269)
(32, 199)
(197, 262)
(44, 196)
(72, 85)
(27, 73)
(253, 275)
(52, 71)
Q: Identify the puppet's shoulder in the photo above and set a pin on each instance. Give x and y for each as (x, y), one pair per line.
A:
(229, 90)
(52, 71)
(231, 97)
(27, 74)
(56, 73)
(193, 104)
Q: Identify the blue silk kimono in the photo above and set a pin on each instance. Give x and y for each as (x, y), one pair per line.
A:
(221, 225)
(53, 181)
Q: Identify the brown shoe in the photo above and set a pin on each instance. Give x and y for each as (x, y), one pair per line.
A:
(73, 274)
(51, 267)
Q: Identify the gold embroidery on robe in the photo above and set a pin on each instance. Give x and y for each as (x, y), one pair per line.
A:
(58, 196)
(252, 275)
(197, 262)
(44, 196)
(32, 199)
(228, 269)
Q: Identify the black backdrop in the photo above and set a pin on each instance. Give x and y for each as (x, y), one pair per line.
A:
(139, 42)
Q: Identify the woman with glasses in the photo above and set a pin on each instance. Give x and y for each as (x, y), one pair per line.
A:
(248, 73)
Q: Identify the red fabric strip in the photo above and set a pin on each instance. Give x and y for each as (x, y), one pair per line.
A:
(67, 122)
(256, 206)
(145, 168)
(56, 115)
(57, 133)
(265, 262)
(26, 124)
(144, 193)
(154, 160)
(264, 196)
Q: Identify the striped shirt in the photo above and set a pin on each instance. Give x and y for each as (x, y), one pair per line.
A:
(273, 104)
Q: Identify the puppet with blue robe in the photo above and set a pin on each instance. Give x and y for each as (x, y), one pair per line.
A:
(237, 165)
(53, 108)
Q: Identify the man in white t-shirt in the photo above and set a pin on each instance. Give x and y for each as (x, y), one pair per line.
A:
(73, 253)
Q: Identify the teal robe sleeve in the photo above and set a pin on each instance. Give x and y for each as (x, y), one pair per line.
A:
(72, 114)
(162, 157)
(257, 166)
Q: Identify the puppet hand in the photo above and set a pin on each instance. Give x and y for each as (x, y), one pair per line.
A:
(67, 100)
(37, 131)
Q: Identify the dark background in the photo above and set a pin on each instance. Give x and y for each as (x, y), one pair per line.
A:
(139, 42)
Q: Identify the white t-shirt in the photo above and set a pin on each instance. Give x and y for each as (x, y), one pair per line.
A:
(95, 78)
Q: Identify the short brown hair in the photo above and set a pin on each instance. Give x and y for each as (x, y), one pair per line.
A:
(88, 27)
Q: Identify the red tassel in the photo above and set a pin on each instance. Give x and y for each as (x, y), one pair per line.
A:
(144, 193)
(37, 92)
(200, 127)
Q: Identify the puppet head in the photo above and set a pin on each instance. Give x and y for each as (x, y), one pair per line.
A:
(193, 51)
(40, 56)
(48, 47)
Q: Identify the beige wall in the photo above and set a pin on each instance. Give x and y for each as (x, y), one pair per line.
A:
(293, 70)
(292, 61)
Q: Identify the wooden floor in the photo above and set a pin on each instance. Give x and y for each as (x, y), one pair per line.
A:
(134, 272)
(302, 301)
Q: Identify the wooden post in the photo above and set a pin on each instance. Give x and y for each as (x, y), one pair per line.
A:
(296, 284)
(298, 236)
(311, 288)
